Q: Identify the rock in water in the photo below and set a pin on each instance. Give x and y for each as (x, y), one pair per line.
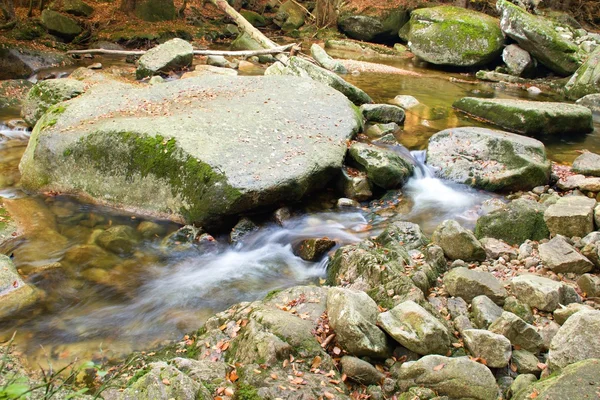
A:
(175, 149)
(384, 167)
(455, 36)
(489, 159)
(538, 36)
(529, 117)
(172, 55)
(586, 80)
(15, 294)
(325, 60)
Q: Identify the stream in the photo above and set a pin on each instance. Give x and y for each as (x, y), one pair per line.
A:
(98, 306)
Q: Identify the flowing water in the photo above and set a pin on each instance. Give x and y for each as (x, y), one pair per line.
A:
(98, 305)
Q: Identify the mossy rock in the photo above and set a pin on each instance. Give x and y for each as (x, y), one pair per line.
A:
(47, 93)
(155, 10)
(77, 8)
(373, 28)
(60, 25)
(289, 17)
(254, 18)
(245, 42)
(455, 36)
(384, 167)
(586, 80)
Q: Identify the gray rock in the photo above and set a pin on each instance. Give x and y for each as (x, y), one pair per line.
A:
(313, 249)
(415, 328)
(384, 167)
(576, 381)
(406, 101)
(447, 35)
(289, 16)
(217, 61)
(589, 284)
(519, 332)
(587, 164)
(15, 294)
(205, 371)
(495, 349)
(457, 242)
(406, 233)
(562, 314)
(137, 162)
(325, 60)
(77, 8)
(521, 382)
(561, 257)
(547, 330)
(353, 316)
(172, 55)
(518, 61)
(591, 101)
(576, 340)
(579, 182)
(361, 371)
(529, 117)
(381, 131)
(516, 222)
(571, 216)
(354, 184)
(47, 93)
(383, 113)
(538, 36)
(539, 292)
(457, 307)
(519, 308)
(468, 284)
(18, 62)
(586, 80)
(494, 249)
(485, 311)
(245, 42)
(453, 377)
(60, 25)
(380, 27)
(488, 159)
(526, 362)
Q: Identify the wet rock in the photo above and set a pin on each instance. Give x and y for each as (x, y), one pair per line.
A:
(538, 36)
(282, 215)
(382, 131)
(244, 227)
(519, 308)
(120, 239)
(77, 8)
(172, 55)
(580, 378)
(18, 63)
(587, 164)
(90, 256)
(381, 27)
(516, 222)
(150, 229)
(406, 233)
(519, 332)
(586, 80)
(384, 167)
(299, 67)
(539, 292)
(313, 249)
(468, 284)
(562, 314)
(453, 377)
(457, 242)
(518, 61)
(354, 184)
(576, 340)
(526, 362)
(290, 16)
(454, 36)
(571, 216)
(529, 117)
(415, 328)
(47, 93)
(325, 60)
(361, 371)
(591, 101)
(488, 159)
(406, 101)
(15, 294)
(495, 349)
(561, 257)
(485, 311)
(589, 284)
(383, 113)
(60, 25)
(353, 316)
(521, 382)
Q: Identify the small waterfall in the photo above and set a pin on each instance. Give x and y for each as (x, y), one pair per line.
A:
(13, 132)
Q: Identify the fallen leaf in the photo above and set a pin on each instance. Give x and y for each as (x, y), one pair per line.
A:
(316, 362)
(166, 382)
(439, 367)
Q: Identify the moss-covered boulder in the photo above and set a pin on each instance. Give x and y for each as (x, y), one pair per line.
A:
(245, 42)
(60, 25)
(174, 149)
(538, 36)
(586, 80)
(378, 27)
(532, 118)
(155, 10)
(384, 167)
(290, 16)
(77, 7)
(13, 92)
(577, 381)
(455, 36)
(45, 94)
(254, 18)
(518, 221)
(172, 55)
(489, 159)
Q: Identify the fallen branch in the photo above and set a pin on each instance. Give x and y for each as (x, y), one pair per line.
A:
(241, 53)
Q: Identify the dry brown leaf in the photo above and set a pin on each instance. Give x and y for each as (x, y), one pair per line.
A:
(329, 395)
(165, 381)
(439, 367)
(316, 362)
(229, 392)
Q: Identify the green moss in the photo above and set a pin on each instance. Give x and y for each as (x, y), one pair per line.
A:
(272, 294)
(138, 374)
(202, 190)
(246, 392)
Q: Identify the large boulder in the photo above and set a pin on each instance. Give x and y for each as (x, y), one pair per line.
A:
(381, 27)
(299, 67)
(22, 63)
(155, 10)
(457, 242)
(539, 292)
(134, 147)
(15, 295)
(46, 94)
(172, 55)
(290, 16)
(457, 378)
(470, 283)
(576, 340)
(576, 381)
(571, 216)
(519, 220)
(586, 80)
(60, 25)
(559, 256)
(529, 117)
(489, 159)
(384, 167)
(539, 37)
(448, 35)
